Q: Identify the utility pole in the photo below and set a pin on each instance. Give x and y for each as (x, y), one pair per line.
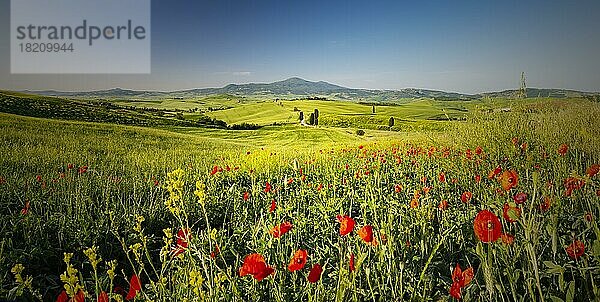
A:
(523, 88)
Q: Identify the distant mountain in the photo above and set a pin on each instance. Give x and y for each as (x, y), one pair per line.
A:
(297, 87)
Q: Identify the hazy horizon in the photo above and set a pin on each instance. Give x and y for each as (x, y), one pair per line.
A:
(314, 81)
(468, 47)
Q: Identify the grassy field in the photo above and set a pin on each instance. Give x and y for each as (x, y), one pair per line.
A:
(185, 211)
(337, 113)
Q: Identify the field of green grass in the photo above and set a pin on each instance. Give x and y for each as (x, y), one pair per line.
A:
(338, 113)
(187, 212)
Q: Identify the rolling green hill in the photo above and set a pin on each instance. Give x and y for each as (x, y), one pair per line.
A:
(106, 112)
(344, 114)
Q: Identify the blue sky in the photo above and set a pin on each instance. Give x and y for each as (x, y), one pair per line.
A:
(463, 46)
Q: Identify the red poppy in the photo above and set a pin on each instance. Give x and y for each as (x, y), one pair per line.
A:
(515, 140)
(443, 205)
(134, 286)
(545, 205)
(469, 154)
(524, 147)
(246, 196)
(255, 265)
(495, 172)
(593, 170)
(103, 297)
(83, 169)
(562, 150)
(487, 226)
(183, 236)
(598, 192)
(576, 249)
(278, 230)
(478, 150)
(460, 279)
(62, 297)
(509, 179)
(315, 273)
(442, 177)
(511, 213)
(79, 297)
(507, 239)
(320, 187)
(267, 187)
(455, 291)
(214, 170)
(346, 224)
(572, 184)
(520, 198)
(290, 181)
(70, 166)
(477, 178)
(397, 188)
(273, 206)
(214, 253)
(466, 197)
(25, 209)
(366, 233)
(426, 190)
(351, 264)
(414, 203)
(298, 261)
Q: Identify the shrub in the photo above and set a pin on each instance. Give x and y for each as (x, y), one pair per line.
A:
(244, 126)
